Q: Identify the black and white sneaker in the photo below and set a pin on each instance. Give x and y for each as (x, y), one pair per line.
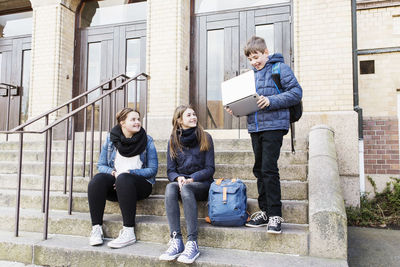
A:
(274, 225)
(258, 219)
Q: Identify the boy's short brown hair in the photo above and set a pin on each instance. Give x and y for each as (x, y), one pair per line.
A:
(255, 44)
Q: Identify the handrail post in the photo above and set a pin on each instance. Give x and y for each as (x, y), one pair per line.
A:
(115, 104)
(126, 94)
(71, 181)
(18, 200)
(92, 143)
(100, 119)
(84, 138)
(48, 172)
(66, 152)
(136, 98)
(46, 139)
(109, 113)
(8, 110)
(145, 101)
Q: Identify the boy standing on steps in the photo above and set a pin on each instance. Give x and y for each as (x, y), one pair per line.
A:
(267, 127)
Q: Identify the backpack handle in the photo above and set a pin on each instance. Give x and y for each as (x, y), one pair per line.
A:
(219, 181)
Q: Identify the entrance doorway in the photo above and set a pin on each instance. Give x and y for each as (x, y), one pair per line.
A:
(111, 45)
(15, 64)
(217, 47)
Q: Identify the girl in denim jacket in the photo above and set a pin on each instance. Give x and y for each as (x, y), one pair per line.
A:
(127, 168)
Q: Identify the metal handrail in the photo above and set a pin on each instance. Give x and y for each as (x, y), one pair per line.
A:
(41, 116)
(8, 87)
(69, 120)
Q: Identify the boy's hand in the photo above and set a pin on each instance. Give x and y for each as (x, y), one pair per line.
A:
(263, 102)
(228, 110)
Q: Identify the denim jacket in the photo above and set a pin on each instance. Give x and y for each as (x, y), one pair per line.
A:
(148, 157)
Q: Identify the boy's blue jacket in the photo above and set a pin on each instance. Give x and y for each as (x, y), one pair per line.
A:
(193, 163)
(276, 115)
(148, 157)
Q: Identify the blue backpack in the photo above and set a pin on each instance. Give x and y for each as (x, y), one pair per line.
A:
(227, 203)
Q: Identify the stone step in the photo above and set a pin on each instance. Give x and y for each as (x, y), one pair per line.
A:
(222, 157)
(242, 171)
(293, 240)
(219, 144)
(65, 250)
(293, 211)
(291, 190)
(35, 182)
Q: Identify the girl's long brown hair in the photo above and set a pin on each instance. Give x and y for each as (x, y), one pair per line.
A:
(174, 143)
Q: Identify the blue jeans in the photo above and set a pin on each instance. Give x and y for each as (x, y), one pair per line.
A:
(190, 193)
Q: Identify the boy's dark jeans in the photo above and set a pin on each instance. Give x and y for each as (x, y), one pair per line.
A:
(267, 148)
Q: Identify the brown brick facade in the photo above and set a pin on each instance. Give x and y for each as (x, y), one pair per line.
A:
(381, 146)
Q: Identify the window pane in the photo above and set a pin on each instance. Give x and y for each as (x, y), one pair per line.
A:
(267, 32)
(96, 13)
(16, 24)
(202, 6)
(132, 69)
(215, 75)
(367, 67)
(26, 73)
(94, 68)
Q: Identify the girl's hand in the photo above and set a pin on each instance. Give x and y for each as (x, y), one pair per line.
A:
(181, 181)
(188, 181)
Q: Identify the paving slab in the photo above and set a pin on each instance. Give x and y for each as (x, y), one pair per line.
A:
(370, 247)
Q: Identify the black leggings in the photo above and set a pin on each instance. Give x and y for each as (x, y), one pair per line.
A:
(129, 189)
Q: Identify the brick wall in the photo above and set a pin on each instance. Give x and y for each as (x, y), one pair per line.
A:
(378, 90)
(375, 28)
(381, 146)
(167, 57)
(323, 54)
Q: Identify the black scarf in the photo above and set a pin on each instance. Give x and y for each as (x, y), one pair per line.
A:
(188, 137)
(128, 147)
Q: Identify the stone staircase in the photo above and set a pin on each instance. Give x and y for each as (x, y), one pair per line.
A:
(67, 244)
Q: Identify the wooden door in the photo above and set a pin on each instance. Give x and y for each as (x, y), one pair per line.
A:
(217, 55)
(107, 51)
(15, 62)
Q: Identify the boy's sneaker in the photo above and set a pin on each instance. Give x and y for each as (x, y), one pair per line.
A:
(126, 237)
(190, 253)
(175, 249)
(96, 236)
(258, 219)
(274, 225)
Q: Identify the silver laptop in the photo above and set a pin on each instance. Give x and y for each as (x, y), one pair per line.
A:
(239, 94)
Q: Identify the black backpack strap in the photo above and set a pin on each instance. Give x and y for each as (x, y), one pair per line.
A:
(292, 136)
(276, 77)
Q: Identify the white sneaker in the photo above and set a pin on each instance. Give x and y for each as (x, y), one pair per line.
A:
(96, 236)
(126, 237)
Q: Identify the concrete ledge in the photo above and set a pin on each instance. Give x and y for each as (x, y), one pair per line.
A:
(327, 215)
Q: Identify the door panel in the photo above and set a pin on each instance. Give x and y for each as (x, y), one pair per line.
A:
(107, 51)
(223, 35)
(15, 70)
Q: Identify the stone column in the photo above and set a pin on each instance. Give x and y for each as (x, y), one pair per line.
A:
(52, 54)
(168, 45)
